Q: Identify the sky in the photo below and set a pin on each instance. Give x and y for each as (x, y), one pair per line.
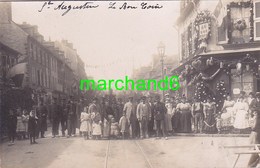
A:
(111, 42)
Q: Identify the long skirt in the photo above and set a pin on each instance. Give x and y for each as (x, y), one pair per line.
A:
(106, 129)
(185, 121)
(241, 120)
(168, 122)
(96, 129)
(227, 119)
(85, 126)
(176, 122)
(210, 124)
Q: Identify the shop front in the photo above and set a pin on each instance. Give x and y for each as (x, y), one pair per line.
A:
(221, 73)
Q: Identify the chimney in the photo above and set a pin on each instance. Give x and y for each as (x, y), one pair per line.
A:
(5, 12)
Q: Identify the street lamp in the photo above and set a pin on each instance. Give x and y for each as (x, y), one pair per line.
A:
(161, 52)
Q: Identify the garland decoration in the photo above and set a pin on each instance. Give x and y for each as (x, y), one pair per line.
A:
(202, 25)
(240, 24)
(221, 94)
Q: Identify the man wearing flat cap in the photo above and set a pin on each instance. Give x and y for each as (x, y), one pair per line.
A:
(255, 134)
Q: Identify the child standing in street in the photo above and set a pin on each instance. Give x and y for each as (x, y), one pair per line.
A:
(25, 119)
(114, 129)
(11, 126)
(20, 130)
(96, 125)
(85, 126)
(124, 126)
(32, 127)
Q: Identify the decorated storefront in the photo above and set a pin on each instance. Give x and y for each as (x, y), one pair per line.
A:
(220, 51)
(219, 74)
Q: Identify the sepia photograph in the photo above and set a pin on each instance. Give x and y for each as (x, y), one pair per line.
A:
(130, 84)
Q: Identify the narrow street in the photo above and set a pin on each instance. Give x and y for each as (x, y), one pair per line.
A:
(148, 153)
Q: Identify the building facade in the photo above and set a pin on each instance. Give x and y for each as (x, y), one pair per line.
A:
(220, 48)
(49, 71)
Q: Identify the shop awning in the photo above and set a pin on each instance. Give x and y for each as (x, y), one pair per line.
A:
(218, 53)
(230, 51)
(18, 69)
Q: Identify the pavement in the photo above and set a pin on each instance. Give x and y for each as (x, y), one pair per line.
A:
(75, 152)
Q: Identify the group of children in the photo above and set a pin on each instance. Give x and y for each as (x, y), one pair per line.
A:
(92, 126)
(22, 125)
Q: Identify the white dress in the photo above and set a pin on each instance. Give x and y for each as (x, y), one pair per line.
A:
(228, 115)
(168, 117)
(85, 125)
(96, 124)
(241, 115)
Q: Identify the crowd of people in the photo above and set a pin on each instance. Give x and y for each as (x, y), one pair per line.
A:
(143, 118)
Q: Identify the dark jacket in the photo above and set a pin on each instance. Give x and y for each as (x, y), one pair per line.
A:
(42, 112)
(11, 122)
(108, 111)
(55, 111)
(32, 125)
(42, 115)
(159, 111)
(71, 109)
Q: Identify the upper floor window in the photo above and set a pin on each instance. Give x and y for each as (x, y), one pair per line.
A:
(240, 22)
(240, 19)
(257, 20)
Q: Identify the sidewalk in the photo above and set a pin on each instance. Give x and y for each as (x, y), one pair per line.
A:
(48, 134)
(210, 135)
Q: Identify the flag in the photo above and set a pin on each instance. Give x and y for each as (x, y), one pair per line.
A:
(217, 11)
(221, 13)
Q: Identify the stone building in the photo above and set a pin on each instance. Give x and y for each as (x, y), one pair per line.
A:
(48, 71)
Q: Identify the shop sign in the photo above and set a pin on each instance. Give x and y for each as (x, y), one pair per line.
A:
(236, 91)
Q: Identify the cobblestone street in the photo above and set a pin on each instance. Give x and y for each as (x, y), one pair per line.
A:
(178, 151)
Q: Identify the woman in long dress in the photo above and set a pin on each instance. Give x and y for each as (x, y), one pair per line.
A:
(185, 115)
(241, 112)
(227, 116)
(176, 116)
(168, 116)
(209, 110)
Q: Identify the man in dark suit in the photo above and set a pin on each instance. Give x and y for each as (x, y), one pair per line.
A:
(64, 117)
(159, 113)
(55, 117)
(151, 121)
(72, 118)
(42, 119)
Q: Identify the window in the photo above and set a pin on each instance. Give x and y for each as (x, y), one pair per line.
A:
(40, 54)
(257, 20)
(46, 80)
(32, 75)
(240, 29)
(38, 77)
(244, 82)
(36, 53)
(32, 51)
